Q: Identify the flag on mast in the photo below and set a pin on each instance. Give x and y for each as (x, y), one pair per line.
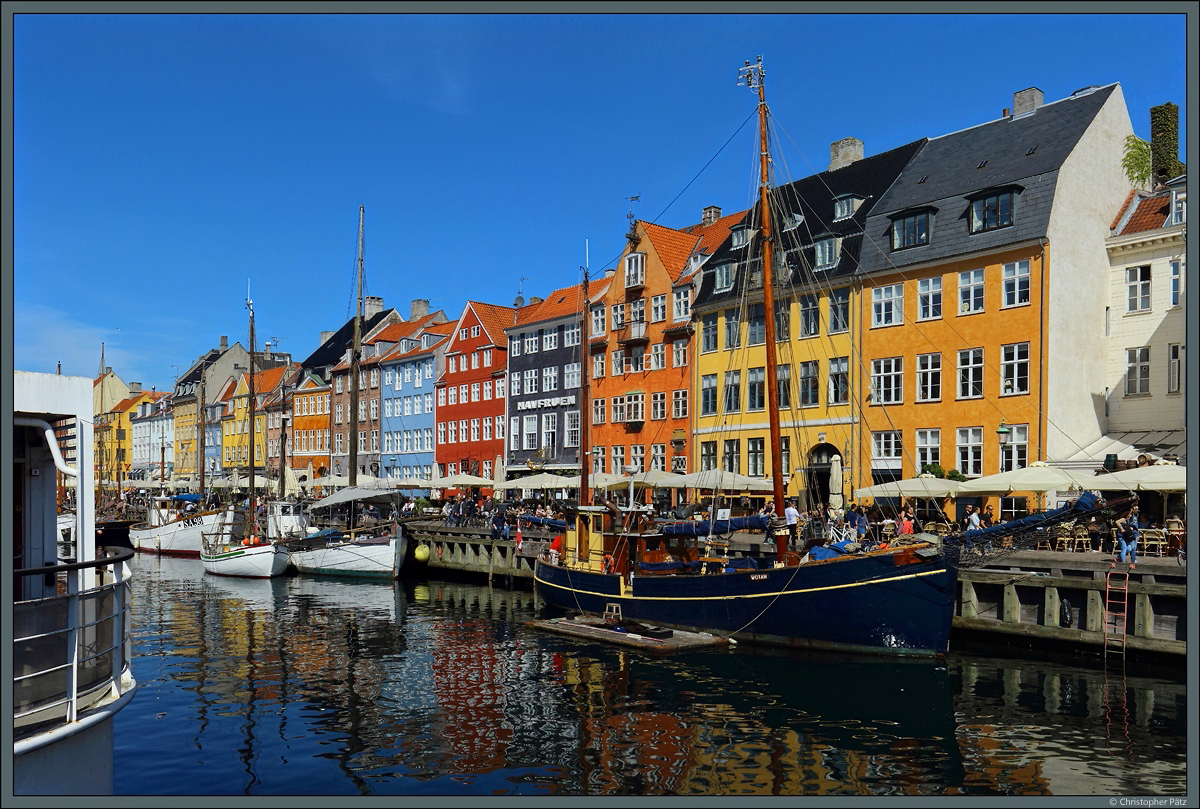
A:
(518, 535)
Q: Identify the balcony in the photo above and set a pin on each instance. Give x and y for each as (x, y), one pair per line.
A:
(632, 332)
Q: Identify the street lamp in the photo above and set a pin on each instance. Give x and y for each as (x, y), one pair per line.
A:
(1002, 432)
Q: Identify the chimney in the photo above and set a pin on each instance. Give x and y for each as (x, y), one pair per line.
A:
(224, 343)
(1027, 101)
(534, 299)
(844, 152)
(372, 305)
(420, 309)
(710, 214)
(1164, 143)
(325, 337)
(610, 272)
(1004, 113)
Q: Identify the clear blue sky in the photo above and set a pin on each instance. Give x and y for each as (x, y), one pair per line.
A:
(162, 162)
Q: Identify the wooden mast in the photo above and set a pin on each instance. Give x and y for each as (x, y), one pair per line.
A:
(354, 351)
(585, 442)
(754, 78)
(200, 418)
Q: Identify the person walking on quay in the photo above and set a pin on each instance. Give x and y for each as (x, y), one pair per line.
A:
(792, 517)
(1127, 538)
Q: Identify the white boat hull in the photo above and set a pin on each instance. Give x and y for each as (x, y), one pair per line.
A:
(370, 560)
(180, 537)
(246, 561)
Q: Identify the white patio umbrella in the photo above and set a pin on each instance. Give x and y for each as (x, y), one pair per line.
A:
(605, 480)
(409, 483)
(835, 482)
(330, 480)
(658, 479)
(1038, 477)
(720, 480)
(1159, 477)
(924, 486)
(459, 481)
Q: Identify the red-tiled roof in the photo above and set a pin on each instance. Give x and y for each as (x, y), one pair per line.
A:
(674, 247)
(562, 302)
(1130, 197)
(1150, 214)
(265, 381)
(495, 319)
(711, 236)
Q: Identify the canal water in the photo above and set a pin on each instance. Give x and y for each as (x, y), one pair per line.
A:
(303, 686)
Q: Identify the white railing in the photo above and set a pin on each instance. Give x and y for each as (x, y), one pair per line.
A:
(72, 650)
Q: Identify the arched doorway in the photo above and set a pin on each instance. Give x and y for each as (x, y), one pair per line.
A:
(816, 478)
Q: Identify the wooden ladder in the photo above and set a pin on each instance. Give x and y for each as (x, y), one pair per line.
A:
(1116, 612)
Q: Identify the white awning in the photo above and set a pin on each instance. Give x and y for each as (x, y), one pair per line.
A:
(1128, 446)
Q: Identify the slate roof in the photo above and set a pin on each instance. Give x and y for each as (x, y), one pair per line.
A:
(329, 352)
(812, 197)
(1025, 150)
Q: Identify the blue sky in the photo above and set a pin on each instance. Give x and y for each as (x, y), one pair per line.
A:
(164, 162)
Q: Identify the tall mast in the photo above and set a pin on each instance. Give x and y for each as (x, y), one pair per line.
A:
(249, 520)
(585, 438)
(200, 442)
(357, 346)
(753, 77)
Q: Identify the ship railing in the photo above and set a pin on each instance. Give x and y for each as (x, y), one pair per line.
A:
(72, 650)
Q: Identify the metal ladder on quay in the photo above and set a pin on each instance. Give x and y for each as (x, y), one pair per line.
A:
(1116, 699)
(1116, 613)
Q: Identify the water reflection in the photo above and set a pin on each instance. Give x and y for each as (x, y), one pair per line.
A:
(303, 685)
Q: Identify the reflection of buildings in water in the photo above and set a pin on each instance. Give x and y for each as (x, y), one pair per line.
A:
(1007, 753)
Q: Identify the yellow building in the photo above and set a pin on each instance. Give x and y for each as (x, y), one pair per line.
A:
(235, 423)
(113, 437)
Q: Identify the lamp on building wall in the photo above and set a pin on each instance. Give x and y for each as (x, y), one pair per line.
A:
(1002, 433)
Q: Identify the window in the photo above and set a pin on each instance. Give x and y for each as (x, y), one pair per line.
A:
(618, 362)
(1173, 368)
(756, 387)
(597, 365)
(462, 431)
(929, 377)
(337, 413)
(474, 430)
(1014, 368)
(843, 207)
(597, 320)
(635, 407)
(929, 298)
(723, 276)
(571, 375)
(618, 316)
(618, 409)
(549, 339)
(785, 454)
(1015, 454)
(487, 391)
(637, 311)
(826, 252)
(658, 356)
(810, 316)
(474, 359)
(475, 331)
(658, 457)
(679, 404)
(887, 305)
(1016, 283)
(839, 380)
(741, 236)
(1178, 208)
(550, 378)
(1137, 281)
(839, 310)
(732, 455)
(571, 436)
(658, 405)
(635, 270)
(531, 429)
(570, 337)
(462, 334)
(487, 430)
(658, 308)
(708, 333)
(1176, 282)
(887, 380)
(475, 391)
(708, 455)
(708, 395)
(756, 326)
(549, 430)
(618, 460)
(500, 388)
(597, 459)
(1137, 371)
(783, 321)
(929, 448)
(598, 411)
(683, 303)
(337, 384)
(970, 292)
(428, 402)
(531, 342)
(970, 373)
(910, 231)
(637, 457)
(499, 428)
(970, 451)
(992, 212)
(783, 386)
(442, 397)
(756, 456)
(733, 391)
(487, 353)
(679, 353)
(733, 329)
(531, 380)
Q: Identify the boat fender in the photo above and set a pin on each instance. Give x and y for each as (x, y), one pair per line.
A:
(1066, 615)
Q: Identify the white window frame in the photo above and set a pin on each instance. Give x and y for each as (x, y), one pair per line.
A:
(969, 450)
(658, 308)
(887, 449)
(887, 306)
(971, 292)
(826, 253)
(1016, 284)
(928, 447)
(929, 298)
(1137, 289)
(1174, 368)
(887, 380)
(970, 373)
(929, 377)
(1014, 454)
(1137, 371)
(1014, 369)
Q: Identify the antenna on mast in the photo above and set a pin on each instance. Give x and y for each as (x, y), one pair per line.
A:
(751, 75)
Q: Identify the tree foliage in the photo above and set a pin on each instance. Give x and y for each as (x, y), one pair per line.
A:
(1136, 161)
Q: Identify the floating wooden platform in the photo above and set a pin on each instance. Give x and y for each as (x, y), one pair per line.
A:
(597, 629)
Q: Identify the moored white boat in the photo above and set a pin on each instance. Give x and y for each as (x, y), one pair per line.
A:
(172, 532)
(232, 550)
(378, 553)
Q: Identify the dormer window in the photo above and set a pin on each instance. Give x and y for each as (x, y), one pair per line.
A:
(741, 236)
(910, 230)
(723, 276)
(635, 270)
(1178, 207)
(992, 209)
(826, 252)
(792, 221)
(844, 207)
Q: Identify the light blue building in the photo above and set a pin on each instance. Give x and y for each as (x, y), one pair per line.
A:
(407, 393)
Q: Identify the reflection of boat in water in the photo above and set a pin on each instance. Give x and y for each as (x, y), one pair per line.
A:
(267, 594)
(168, 529)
